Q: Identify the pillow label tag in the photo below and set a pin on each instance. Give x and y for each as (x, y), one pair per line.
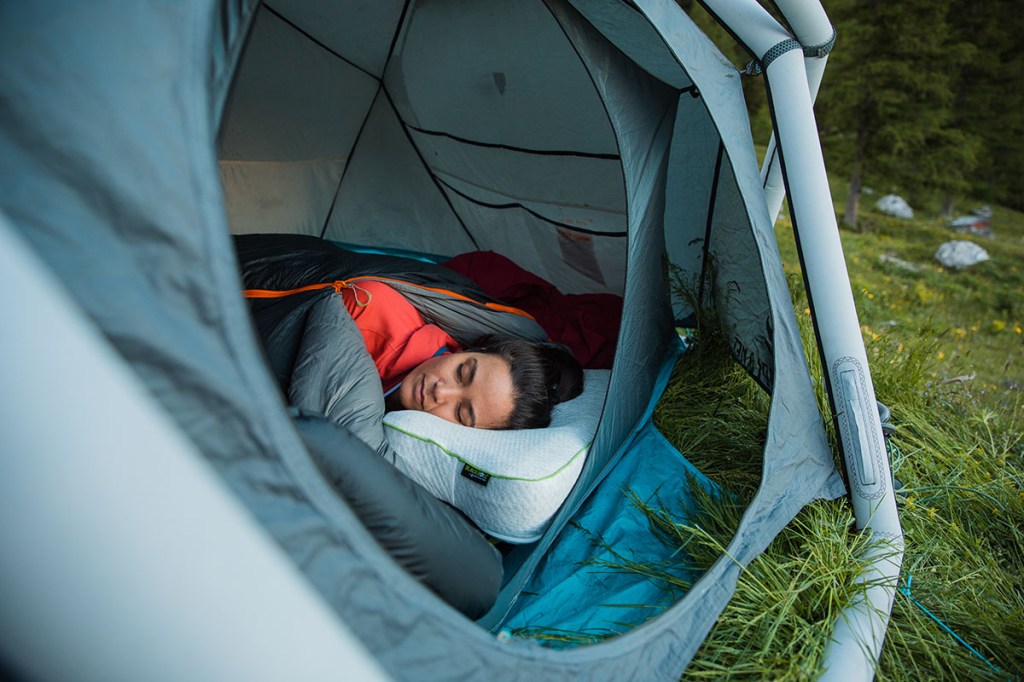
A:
(475, 475)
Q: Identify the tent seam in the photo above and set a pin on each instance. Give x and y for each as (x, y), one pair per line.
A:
(313, 39)
(712, 199)
(515, 205)
(524, 150)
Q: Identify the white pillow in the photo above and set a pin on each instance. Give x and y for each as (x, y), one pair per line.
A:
(510, 483)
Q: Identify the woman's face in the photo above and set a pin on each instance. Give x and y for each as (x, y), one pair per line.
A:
(472, 389)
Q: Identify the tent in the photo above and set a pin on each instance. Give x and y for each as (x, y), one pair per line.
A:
(588, 140)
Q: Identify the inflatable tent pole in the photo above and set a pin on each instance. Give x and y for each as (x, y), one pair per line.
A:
(814, 32)
(124, 557)
(860, 629)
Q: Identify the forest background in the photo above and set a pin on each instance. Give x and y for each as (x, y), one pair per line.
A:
(923, 98)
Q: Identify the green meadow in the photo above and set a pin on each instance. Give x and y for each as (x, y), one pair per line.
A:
(946, 352)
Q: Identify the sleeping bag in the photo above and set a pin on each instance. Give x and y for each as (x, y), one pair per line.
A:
(317, 354)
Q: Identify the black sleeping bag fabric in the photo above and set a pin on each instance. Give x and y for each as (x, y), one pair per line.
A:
(317, 354)
(443, 297)
(289, 261)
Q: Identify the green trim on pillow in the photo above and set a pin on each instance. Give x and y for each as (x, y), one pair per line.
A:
(451, 454)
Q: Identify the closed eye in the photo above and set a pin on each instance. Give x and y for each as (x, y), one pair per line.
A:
(464, 415)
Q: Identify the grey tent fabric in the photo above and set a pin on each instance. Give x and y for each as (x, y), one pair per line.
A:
(587, 140)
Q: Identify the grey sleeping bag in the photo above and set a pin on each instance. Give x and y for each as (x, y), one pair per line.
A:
(336, 393)
(333, 374)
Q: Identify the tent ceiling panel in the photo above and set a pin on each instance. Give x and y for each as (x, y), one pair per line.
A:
(361, 32)
(279, 197)
(521, 176)
(632, 33)
(387, 197)
(293, 100)
(496, 73)
(574, 262)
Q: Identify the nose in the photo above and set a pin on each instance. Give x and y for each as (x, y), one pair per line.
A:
(444, 392)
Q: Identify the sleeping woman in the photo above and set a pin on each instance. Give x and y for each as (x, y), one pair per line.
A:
(471, 364)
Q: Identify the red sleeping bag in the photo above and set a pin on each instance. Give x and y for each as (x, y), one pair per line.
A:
(587, 323)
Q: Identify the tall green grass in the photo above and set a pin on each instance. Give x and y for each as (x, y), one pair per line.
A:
(945, 351)
(962, 510)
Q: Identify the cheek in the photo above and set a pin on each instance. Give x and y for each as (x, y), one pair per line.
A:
(405, 393)
(445, 412)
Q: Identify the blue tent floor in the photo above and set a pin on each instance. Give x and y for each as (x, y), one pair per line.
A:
(575, 596)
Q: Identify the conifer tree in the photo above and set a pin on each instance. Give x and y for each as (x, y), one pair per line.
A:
(990, 96)
(886, 109)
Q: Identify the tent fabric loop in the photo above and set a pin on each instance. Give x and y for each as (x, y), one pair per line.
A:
(821, 50)
(777, 50)
(757, 66)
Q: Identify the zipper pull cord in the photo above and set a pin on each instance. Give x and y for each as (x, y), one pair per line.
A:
(343, 284)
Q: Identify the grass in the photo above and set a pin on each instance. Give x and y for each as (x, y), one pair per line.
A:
(945, 349)
(976, 316)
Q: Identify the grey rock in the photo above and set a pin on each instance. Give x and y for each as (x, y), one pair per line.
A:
(895, 206)
(960, 254)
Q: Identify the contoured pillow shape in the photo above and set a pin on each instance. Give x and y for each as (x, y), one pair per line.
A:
(510, 483)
